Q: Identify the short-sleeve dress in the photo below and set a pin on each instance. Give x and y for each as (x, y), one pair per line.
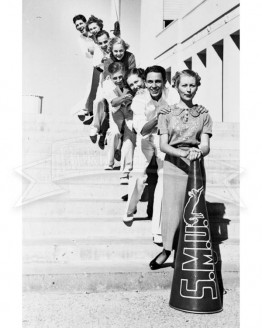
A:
(184, 128)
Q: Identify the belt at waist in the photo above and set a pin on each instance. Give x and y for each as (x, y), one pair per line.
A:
(186, 146)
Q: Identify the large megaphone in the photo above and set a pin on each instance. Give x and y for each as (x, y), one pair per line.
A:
(195, 285)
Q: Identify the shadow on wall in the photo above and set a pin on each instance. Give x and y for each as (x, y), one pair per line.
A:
(219, 233)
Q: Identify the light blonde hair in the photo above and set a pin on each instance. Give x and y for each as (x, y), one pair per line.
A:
(188, 72)
(117, 40)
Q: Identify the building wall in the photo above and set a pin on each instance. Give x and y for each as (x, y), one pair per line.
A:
(153, 14)
(53, 65)
(130, 24)
(176, 8)
(207, 40)
(151, 23)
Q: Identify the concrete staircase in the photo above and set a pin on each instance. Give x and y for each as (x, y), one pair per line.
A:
(73, 235)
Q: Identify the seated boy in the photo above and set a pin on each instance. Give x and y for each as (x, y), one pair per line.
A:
(121, 120)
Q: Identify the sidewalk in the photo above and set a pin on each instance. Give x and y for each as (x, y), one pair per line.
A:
(122, 309)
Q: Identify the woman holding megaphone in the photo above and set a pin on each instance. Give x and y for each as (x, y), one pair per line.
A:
(184, 136)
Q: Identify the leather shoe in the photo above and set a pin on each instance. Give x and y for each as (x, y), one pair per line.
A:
(88, 119)
(101, 142)
(154, 265)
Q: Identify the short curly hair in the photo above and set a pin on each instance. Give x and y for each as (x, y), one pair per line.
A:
(156, 69)
(117, 40)
(79, 17)
(140, 72)
(116, 67)
(93, 19)
(102, 32)
(188, 72)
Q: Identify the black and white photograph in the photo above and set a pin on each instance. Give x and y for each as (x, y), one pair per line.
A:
(130, 164)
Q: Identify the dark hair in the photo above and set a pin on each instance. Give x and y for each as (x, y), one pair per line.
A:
(156, 69)
(93, 19)
(188, 72)
(135, 71)
(116, 67)
(79, 17)
(116, 40)
(102, 32)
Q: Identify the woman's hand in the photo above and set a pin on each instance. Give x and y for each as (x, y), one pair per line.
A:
(183, 153)
(194, 153)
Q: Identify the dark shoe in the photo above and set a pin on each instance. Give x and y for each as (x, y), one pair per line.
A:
(124, 179)
(101, 142)
(117, 155)
(81, 117)
(125, 198)
(93, 138)
(88, 119)
(154, 265)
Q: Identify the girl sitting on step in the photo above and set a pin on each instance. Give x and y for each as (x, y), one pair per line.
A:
(135, 81)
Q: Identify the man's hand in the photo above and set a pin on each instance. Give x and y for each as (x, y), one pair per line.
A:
(128, 96)
(164, 109)
(140, 91)
(201, 109)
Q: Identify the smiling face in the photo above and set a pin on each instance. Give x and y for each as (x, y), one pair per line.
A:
(118, 51)
(135, 82)
(80, 26)
(103, 42)
(117, 78)
(187, 88)
(93, 28)
(155, 84)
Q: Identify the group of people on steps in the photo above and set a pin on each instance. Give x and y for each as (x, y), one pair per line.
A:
(144, 122)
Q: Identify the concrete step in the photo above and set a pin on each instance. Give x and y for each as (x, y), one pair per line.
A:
(47, 148)
(95, 277)
(57, 206)
(95, 158)
(91, 177)
(32, 139)
(57, 135)
(91, 249)
(69, 120)
(102, 250)
(111, 227)
(104, 276)
(49, 118)
(35, 133)
(114, 189)
(36, 128)
(88, 184)
(94, 161)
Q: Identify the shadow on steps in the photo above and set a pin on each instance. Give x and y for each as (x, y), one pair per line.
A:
(219, 233)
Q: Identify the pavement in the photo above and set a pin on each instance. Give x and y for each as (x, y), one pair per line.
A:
(121, 309)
